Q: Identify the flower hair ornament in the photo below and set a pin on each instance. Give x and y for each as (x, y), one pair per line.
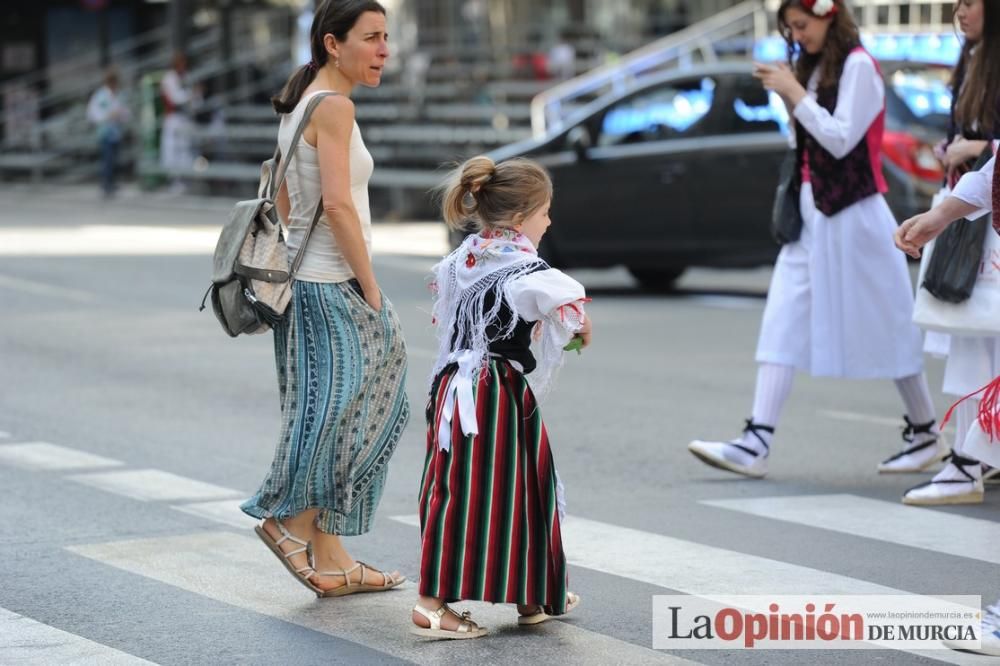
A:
(820, 8)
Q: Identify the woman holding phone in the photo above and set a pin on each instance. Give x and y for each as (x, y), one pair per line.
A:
(840, 302)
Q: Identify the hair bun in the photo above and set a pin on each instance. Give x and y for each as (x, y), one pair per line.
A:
(478, 172)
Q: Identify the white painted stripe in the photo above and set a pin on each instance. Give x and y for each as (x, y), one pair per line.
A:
(45, 456)
(884, 521)
(4, 435)
(204, 564)
(425, 239)
(154, 484)
(226, 512)
(706, 571)
(24, 641)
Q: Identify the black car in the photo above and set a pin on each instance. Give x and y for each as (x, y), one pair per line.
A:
(678, 172)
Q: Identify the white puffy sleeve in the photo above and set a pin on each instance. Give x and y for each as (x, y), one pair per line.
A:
(976, 188)
(550, 296)
(860, 98)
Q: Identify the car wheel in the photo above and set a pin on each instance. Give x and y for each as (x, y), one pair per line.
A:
(657, 279)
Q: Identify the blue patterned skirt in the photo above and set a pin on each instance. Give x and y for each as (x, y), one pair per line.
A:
(342, 380)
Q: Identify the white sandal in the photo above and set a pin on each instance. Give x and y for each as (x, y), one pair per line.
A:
(466, 627)
(539, 616)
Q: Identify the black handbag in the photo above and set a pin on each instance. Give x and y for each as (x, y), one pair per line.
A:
(958, 252)
(786, 217)
(954, 264)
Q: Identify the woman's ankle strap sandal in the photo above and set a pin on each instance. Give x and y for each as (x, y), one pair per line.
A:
(388, 581)
(466, 627)
(301, 574)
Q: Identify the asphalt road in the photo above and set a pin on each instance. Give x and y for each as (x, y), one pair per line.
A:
(130, 427)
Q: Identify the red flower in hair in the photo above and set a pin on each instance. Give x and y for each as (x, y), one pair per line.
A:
(820, 8)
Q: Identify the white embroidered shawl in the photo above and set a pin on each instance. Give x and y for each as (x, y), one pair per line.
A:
(506, 262)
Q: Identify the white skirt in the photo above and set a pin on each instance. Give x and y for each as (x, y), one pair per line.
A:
(972, 364)
(176, 151)
(841, 301)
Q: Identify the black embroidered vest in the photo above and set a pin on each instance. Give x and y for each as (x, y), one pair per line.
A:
(839, 183)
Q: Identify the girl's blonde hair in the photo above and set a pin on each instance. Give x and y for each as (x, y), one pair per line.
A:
(481, 193)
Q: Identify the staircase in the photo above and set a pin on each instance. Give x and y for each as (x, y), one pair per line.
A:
(467, 100)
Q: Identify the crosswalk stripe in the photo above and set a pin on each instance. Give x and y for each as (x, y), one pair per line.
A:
(700, 570)
(424, 239)
(884, 521)
(25, 642)
(154, 485)
(226, 512)
(204, 564)
(45, 456)
(4, 435)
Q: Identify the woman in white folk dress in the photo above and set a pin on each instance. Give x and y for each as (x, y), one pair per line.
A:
(972, 361)
(840, 302)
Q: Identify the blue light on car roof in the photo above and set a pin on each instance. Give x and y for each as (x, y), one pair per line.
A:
(680, 112)
(931, 48)
(924, 93)
(770, 49)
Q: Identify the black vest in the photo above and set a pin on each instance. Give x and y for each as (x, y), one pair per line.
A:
(839, 183)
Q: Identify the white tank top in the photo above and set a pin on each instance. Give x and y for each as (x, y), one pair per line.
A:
(323, 260)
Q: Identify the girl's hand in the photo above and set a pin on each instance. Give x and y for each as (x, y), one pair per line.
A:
(919, 230)
(940, 151)
(781, 80)
(373, 297)
(957, 152)
(586, 332)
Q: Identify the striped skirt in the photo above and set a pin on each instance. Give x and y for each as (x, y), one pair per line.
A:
(489, 521)
(341, 378)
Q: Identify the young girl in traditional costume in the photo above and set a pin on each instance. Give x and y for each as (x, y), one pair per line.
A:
(491, 502)
(840, 302)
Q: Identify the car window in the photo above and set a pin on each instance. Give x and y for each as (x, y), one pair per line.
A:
(754, 110)
(662, 113)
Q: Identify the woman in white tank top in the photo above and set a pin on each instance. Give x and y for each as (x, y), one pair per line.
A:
(340, 354)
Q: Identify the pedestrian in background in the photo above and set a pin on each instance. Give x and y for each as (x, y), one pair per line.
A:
(491, 503)
(562, 57)
(972, 361)
(108, 111)
(176, 154)
(840, 302)
(340, 354)
(977, 193)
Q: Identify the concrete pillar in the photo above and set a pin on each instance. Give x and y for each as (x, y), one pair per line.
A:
(179, 22)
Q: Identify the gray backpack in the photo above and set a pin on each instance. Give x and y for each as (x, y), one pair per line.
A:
(251, 279)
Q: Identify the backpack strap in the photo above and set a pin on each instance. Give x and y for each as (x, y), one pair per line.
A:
(283, 171)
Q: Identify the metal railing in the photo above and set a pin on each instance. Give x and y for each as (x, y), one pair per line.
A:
(698, 41)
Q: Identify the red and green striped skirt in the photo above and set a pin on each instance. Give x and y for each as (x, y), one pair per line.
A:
(489, 520)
